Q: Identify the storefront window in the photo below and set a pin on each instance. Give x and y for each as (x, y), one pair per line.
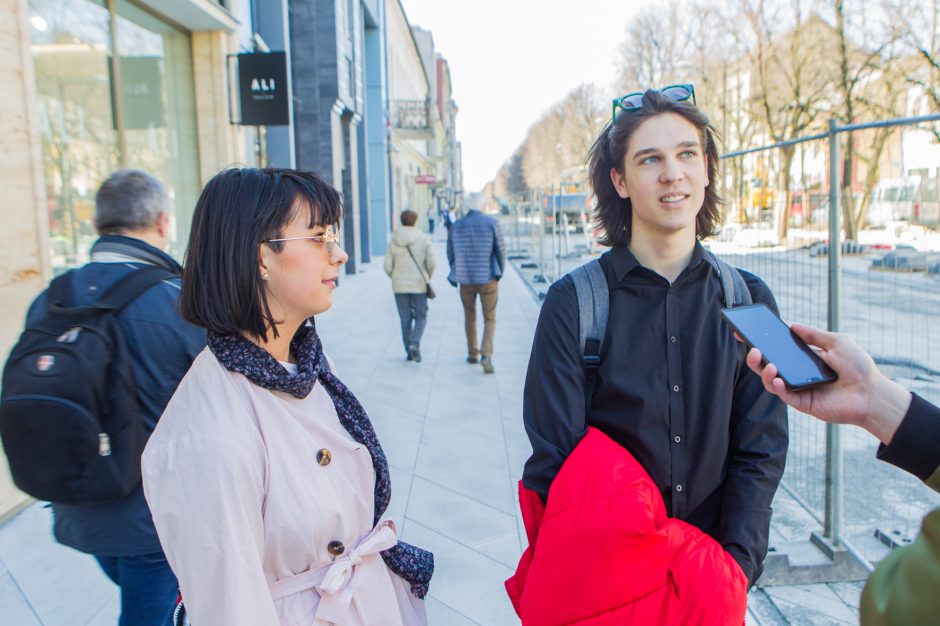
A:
(83, 137)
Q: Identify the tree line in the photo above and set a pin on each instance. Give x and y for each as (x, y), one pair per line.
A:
(765, 71)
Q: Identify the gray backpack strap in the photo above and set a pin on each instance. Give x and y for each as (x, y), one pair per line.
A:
(590, 283)
(734, 290)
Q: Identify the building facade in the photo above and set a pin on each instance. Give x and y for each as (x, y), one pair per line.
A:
(98, 85)
(94, 86)
(327, 68)
(411, 118)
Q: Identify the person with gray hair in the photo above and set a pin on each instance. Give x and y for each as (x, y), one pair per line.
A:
(131, 200)
(132, 218)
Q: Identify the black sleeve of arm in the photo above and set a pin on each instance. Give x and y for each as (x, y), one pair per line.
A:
(553, 399)
(758, 452)
(915, 447)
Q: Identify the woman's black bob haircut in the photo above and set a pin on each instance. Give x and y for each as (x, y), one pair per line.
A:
(614, 214)
(238, 209)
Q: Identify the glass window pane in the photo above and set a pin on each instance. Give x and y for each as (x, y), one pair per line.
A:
(159, 108)
(71, 47)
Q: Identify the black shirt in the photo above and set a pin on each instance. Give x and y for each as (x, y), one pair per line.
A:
(673, 389)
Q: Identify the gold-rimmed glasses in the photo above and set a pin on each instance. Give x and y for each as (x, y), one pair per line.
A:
(330, 237)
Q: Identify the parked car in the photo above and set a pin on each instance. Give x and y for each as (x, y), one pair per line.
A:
(576, 207)
(911, 199)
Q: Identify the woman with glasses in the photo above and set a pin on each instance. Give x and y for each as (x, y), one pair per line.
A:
(660, 392)
(265, 478)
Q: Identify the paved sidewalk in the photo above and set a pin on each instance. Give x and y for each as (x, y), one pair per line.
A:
(456, 446)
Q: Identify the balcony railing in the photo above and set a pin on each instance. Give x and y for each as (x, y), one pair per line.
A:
(411, 115)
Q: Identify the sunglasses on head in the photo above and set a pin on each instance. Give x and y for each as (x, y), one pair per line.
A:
(634, 101)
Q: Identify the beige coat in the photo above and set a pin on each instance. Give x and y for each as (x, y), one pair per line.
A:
(406, 278)
(246, 511)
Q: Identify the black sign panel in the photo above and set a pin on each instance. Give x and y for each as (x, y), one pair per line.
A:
(262, 86)
(141, 92)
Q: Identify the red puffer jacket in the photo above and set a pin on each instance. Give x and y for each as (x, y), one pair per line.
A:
(603, 552)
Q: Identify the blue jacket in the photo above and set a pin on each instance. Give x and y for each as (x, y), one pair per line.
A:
(475, 250)
(162, 347)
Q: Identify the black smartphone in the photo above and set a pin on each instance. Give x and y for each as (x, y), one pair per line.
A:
(797, 364)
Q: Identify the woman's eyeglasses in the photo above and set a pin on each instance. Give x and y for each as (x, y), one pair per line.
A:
(330, 237)
(634, 101)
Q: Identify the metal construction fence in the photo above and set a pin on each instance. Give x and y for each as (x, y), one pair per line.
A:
(882, 288)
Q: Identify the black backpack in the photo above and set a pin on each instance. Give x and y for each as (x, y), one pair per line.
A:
(593, 294)
(69, 416)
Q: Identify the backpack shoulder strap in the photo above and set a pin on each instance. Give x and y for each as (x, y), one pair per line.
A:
(734, 291)
(593, 293)
(114, 299)
(59, 294)
(129, 287)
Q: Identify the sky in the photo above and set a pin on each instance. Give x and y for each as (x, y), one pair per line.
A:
(510, 60)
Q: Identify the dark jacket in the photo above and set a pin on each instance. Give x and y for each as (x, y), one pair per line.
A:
(903, 588)
(162, 346)
(475, 250)
(603, 551)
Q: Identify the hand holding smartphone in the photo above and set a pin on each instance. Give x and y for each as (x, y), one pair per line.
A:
(796, 363)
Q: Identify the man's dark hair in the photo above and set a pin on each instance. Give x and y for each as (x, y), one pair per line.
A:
(613, 213)
(408, 218)
(238, 209)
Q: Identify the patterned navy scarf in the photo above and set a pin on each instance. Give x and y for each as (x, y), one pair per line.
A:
(238, 354)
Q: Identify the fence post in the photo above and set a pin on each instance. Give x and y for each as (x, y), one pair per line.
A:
(540, 199)
(834, 482)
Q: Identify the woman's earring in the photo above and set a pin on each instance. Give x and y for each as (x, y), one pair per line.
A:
(264, 276)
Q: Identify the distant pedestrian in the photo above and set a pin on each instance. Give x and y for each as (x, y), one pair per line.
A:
(265, 476)
(132, 216)
(477, 254)
(448, 218)
(409, 260)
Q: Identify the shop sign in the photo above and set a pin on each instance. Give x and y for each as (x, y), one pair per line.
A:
(262, 86)
(425, 179)
(141, 92)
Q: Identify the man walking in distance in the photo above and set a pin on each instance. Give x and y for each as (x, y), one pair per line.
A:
(477, 254)
(132, 219)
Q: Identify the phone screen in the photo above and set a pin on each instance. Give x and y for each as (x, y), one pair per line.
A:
(796, 363)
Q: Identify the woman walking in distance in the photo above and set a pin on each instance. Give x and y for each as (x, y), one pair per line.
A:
(409, 261)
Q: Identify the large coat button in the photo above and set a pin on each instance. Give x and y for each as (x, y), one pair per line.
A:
(335, 548)
(324, 457)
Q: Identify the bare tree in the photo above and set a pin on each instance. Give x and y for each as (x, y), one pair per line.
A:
(918, 23)
(792, 82)
(860, 65)
(560, 139)
(718, 69)
(653, 48)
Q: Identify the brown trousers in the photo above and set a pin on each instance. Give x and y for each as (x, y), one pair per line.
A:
(489, 293)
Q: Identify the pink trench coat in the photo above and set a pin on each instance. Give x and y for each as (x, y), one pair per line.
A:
(264, 507)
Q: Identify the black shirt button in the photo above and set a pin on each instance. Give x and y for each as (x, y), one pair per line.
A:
(335, 548)
(675, 387)
(673, 339)
(678, 439)
(324, 457)
(679, 488)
